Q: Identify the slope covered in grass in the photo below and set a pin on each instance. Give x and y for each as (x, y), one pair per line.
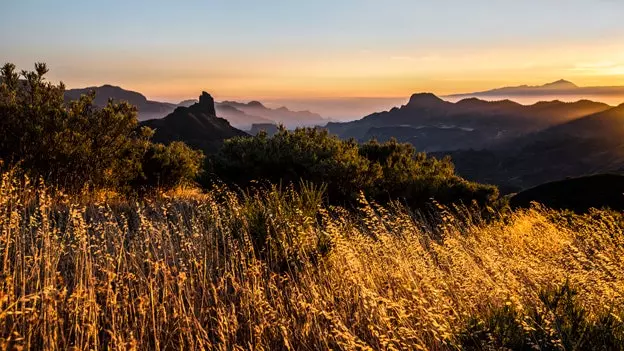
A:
(278, 270)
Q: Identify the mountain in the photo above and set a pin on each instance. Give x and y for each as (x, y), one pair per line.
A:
(196, 125)
(240, 115)
(147, 109)
(433, 124)
(560, 88)
(592, 144)
(282, 115)
(576, 194)
(239, 118)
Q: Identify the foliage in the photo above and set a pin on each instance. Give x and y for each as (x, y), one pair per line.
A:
(168, 166)
(278, 270)
(76, 145)
(383, 172)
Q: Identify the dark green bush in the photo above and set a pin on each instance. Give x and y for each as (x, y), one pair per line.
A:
(383, 172)
(167, 166)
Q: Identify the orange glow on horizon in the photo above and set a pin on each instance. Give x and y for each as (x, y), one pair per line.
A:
(177, 76)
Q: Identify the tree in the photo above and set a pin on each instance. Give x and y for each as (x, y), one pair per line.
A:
(76, 144)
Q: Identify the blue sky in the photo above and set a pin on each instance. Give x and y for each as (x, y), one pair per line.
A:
(277, 49)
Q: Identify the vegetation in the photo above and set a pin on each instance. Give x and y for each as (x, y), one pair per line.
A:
(272, 267)
(383, 172)
(278, 270)
(76, 145)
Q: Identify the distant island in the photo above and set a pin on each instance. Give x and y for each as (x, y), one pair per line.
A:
(562, 89)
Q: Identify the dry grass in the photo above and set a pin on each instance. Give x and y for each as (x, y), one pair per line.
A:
(277, 270)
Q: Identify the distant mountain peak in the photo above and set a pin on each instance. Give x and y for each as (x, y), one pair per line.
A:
(424, 99)
(560, 84)
(255, 104)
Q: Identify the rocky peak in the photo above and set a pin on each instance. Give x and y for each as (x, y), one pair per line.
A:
(207, 103)
(424, 100)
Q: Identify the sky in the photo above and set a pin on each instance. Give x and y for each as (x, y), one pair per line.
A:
(321, 49)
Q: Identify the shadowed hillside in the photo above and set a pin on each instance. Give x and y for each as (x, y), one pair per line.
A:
(577, 194)
(590, 145)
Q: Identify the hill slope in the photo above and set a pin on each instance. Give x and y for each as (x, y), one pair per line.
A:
(590, 145)
(197, 125)
(577, 194)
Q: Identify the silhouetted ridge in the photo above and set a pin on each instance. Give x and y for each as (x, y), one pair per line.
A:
(147, 109)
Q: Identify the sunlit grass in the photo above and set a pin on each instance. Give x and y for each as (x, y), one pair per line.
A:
(277, 269)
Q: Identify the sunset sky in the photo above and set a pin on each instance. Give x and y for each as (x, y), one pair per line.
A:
(171, 50)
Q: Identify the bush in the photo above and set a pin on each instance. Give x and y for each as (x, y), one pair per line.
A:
(169, 166)
(76, 145)
(309, 154)
(382, 171)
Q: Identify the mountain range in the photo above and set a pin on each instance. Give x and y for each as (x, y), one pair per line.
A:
(240, 115)
(433, 124)
(505, 143)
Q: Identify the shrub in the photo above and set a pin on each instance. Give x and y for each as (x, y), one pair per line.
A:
(382, 171)
(169, 166)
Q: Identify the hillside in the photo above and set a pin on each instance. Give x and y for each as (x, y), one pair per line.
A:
(147, 109)
(197, 126)
(477, 123)
(577, 194)
(589, 145)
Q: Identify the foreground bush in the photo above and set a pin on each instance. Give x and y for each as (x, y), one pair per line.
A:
(384, 172)
(276, 270)
(76, 145)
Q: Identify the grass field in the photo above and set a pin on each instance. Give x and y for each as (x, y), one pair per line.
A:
(278, 270)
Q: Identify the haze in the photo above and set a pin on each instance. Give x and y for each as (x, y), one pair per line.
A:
(347, 54)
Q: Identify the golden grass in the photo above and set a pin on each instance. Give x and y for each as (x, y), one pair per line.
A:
(279, 271)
